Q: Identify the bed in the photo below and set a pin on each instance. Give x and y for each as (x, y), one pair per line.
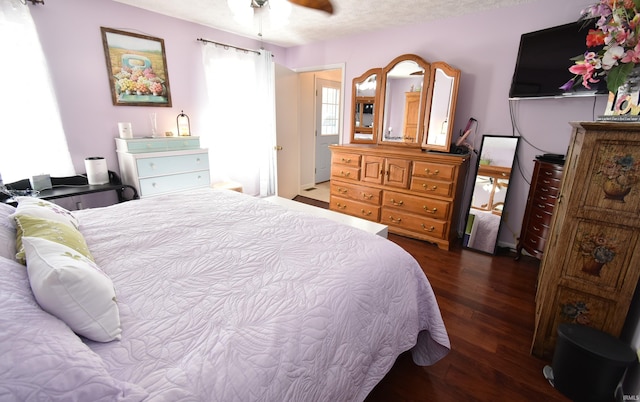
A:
(220, 297)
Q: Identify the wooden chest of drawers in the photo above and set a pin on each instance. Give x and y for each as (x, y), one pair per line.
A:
(541, 202)
(157, 166)
(417, 194)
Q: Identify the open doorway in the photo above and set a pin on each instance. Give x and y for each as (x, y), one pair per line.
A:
(320, 122)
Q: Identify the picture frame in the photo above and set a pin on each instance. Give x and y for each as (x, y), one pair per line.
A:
(137, 69)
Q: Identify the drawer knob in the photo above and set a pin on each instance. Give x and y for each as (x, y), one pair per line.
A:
(427, 188)
(435, 172)
(342, 190)
(154, 185)
(428, 229)
(341, 206)
(431, 211)
(367, 196)
(198, 160)
(396, 203)
(152, 165)
(348, 160)
(365, 212)
(392, 219)
(345, 174)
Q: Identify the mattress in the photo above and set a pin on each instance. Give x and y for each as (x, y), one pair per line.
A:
(227, 297)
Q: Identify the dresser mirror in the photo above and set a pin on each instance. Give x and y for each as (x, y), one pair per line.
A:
(441, 106)
(365, 104)
(403, 93)
(484, 218)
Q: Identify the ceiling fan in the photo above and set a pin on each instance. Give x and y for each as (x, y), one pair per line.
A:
(322, 5)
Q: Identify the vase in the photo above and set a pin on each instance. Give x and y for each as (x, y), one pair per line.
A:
(615, 191)
(592, 267)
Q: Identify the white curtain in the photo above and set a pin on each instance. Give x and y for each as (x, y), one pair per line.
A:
(240, 123)
(32, 139)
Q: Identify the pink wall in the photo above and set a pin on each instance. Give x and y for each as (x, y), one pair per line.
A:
(483, 46)
(70, 34)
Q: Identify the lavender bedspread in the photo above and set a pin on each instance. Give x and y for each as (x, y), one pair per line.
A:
(225, 297)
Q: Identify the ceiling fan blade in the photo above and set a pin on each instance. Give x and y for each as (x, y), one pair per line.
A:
(323, 5)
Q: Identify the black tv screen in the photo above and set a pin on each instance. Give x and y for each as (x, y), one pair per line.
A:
(543, 62)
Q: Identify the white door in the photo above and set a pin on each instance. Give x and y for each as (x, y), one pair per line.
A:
(327, 125)
(287, 139)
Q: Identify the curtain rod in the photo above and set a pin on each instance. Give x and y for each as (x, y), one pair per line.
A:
(227, 46)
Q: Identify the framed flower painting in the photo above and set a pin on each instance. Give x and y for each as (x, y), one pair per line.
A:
(137, 69)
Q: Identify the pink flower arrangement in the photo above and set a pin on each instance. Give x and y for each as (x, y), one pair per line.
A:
(618, 29)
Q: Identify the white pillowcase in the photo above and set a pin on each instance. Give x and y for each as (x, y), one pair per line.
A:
(46, 210)
(7, 232)
(73, 288)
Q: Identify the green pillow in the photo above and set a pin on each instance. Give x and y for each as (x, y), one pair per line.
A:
(30, 226)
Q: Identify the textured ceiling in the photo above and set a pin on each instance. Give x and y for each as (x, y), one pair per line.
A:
(307, 26)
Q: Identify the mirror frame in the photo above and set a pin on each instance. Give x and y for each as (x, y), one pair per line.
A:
(376, 106)
(495, 171)
(423, 100)
(453, 100)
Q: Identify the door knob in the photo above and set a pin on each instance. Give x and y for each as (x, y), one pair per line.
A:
(277, 148)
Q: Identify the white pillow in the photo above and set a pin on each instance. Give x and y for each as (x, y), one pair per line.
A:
(7, 232)
(46, 210)
(73, 288)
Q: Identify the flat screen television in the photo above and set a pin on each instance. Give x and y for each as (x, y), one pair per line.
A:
(543, 62)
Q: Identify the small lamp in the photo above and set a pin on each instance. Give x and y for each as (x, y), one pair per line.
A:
(184, 128)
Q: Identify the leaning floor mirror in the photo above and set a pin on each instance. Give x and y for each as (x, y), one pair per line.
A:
(484, 218)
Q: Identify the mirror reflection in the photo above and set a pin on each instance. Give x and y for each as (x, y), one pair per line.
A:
(403, 101)
(364, 104)
(495, 163)
(440, 109)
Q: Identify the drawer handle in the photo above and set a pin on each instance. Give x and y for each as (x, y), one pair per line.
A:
(341, 206)
(367, 196)
(540, 206)
(342, 190)
(154, 185)
(548, 173)
(345, 174)
(544, 189)
(435, 172)
(346, 160)
(538, 216)
(198, 160)
(536, 229)
(533, 241)
(365, 212)
(432, 188)
(152, 165)
(396, 203)
(543, 198)
(428, 229)
(431, 211)
(392, 219)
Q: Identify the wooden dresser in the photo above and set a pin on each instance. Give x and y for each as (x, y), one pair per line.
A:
(541, 202)
(157, 166)
(591, 264)
(417, 194)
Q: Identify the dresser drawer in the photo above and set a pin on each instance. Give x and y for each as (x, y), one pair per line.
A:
(534, 242)
(355, 208)
(433, 170)
(345, 172)
(158, 166)
(176, 182)
(355, 192)
(436, 209)
(141, 145)
(414, 223)
(431, 187)
(346, 159)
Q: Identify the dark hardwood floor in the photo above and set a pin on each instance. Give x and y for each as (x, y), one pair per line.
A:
(487, 304)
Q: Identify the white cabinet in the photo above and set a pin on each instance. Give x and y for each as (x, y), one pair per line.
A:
(163, 165)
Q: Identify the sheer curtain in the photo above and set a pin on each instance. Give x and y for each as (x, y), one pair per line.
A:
(32, 139)
(240, 123)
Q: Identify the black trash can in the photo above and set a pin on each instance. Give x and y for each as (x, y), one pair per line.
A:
(588, 364)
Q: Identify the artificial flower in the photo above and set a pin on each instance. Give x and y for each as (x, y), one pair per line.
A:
(618, 32)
